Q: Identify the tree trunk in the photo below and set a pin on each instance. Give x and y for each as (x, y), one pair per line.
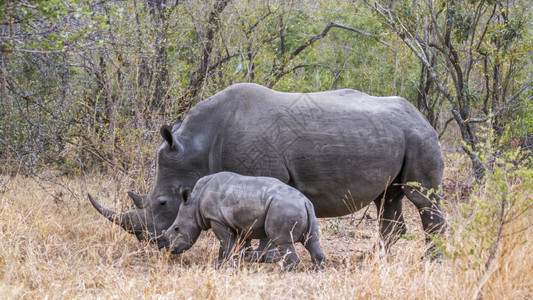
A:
(160, 98)
(200, 74)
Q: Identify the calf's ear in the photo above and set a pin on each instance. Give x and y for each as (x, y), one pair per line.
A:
(185, 194)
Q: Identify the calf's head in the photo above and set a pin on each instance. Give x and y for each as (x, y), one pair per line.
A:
(185, 230)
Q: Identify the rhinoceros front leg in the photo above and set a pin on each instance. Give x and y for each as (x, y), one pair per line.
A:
(227, 239)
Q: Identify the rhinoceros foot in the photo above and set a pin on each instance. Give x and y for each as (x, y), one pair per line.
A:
(433, 254)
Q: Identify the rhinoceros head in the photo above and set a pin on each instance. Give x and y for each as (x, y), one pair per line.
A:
(157, 210)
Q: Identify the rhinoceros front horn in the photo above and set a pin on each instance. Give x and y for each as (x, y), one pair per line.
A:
(129, 221)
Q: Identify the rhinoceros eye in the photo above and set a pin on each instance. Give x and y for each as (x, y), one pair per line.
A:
(176, 229)
(162, 202)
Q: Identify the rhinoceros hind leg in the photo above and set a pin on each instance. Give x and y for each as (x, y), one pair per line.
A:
(431, 215)
(317, 256)
(426, 173)
(426, 198)
(390, 216)
(311, 240)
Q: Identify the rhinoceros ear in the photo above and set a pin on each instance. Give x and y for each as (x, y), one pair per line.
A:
(166, 132)
(185, 194)
(176, 126)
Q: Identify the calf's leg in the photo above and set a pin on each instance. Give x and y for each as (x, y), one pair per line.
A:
(313, 246)
(289, 256)
(265, 252)
(285, 224)
(227, 240)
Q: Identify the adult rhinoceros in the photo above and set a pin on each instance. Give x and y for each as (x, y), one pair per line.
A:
(343, 149)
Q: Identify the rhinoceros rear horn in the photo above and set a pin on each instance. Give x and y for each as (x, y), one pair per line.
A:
(129, 221)
(137, 199)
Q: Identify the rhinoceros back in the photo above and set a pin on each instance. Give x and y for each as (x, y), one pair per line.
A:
(340, 148)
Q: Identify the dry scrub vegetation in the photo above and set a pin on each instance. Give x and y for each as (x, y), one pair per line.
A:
(54, 245)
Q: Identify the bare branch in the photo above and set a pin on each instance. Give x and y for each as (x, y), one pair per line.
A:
(311, 41)
(360, 32)
(279, 72)
(445, 126)
(213, 26)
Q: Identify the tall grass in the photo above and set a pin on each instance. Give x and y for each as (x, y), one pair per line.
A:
(54, 245)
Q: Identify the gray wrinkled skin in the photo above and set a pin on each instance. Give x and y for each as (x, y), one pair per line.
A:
(240, 207)
(342, 149)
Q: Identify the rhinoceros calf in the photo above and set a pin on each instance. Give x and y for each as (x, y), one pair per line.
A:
(244, 207)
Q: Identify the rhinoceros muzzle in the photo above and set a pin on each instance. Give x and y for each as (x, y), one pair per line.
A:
(163, 244)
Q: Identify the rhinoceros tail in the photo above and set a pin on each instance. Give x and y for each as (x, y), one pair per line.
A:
(312, 223)
(312, 240)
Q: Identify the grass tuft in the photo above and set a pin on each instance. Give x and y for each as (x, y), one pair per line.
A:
(64, 249)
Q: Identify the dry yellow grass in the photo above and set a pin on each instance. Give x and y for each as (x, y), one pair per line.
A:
(64, 249)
